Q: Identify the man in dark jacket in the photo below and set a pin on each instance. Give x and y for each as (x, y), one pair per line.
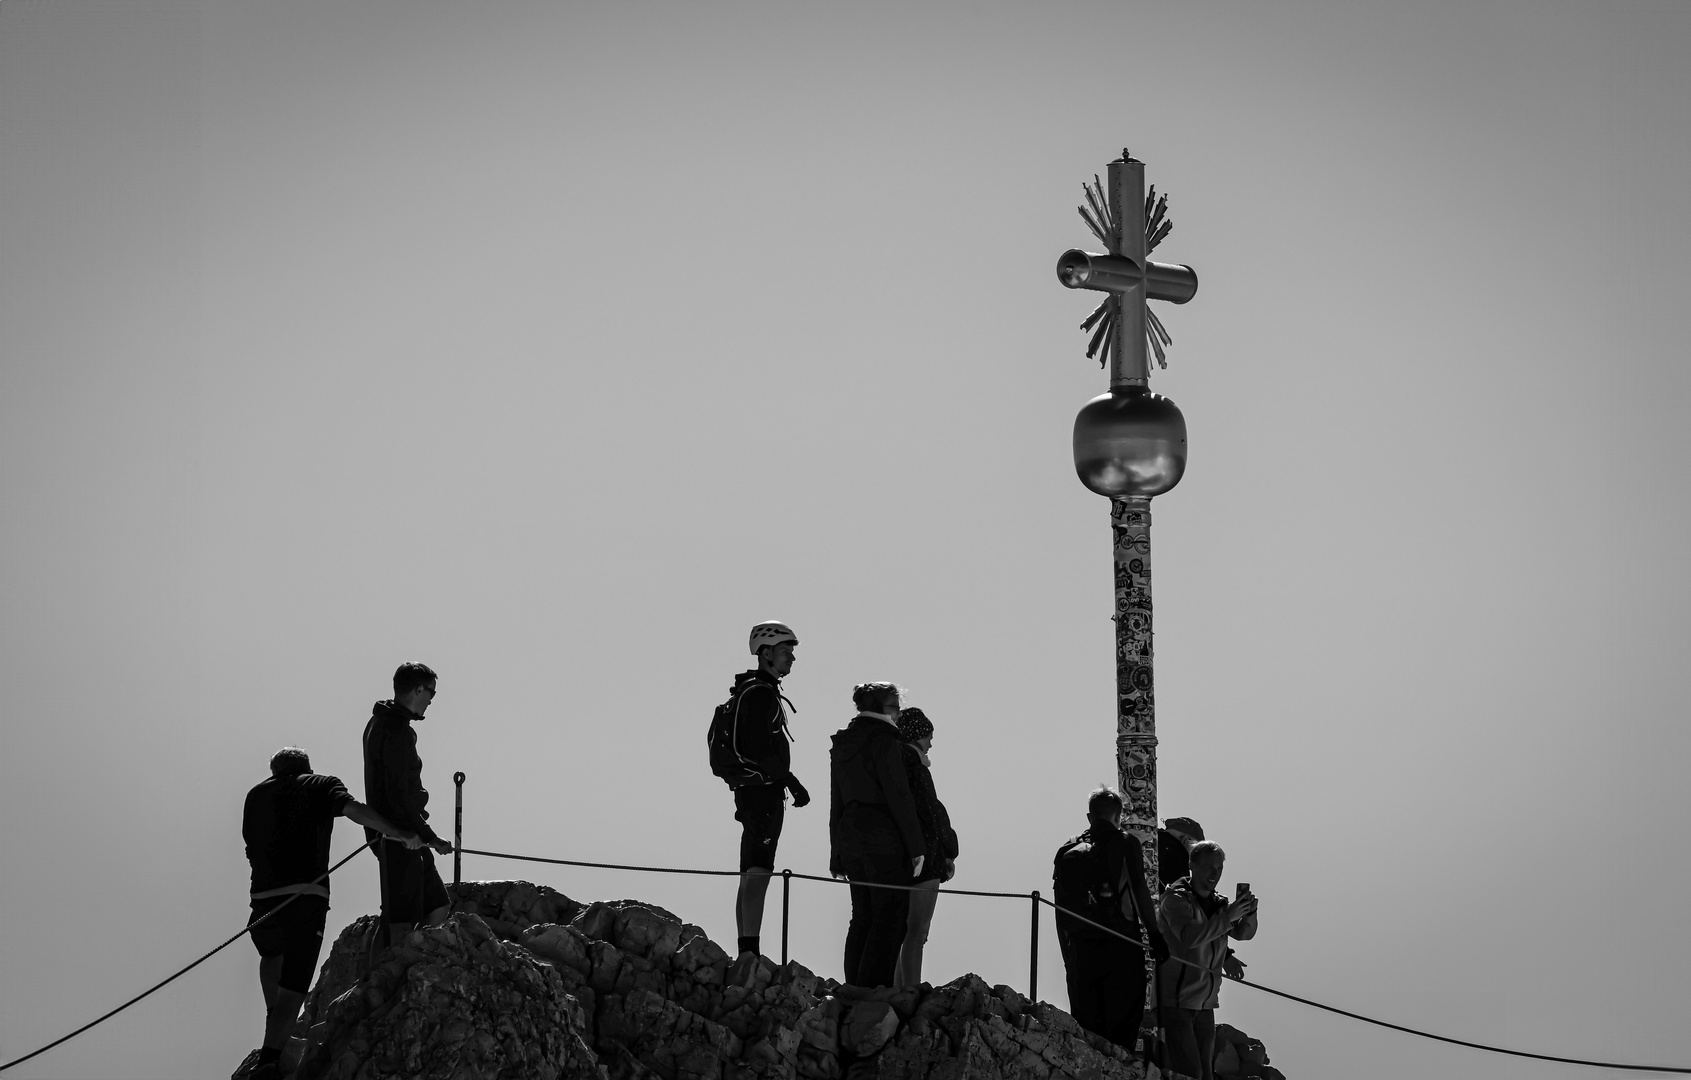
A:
(874, 834)
(1100, 874)
(286, 823)
(412, 891)
(760, 739)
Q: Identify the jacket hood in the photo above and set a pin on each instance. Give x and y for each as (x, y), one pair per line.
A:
(392, 710)
(855, 737)
(754, 675)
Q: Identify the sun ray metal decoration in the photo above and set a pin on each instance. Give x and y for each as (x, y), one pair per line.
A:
(1129, 234)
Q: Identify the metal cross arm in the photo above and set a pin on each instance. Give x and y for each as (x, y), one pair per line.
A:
(1130, 226)
(1174, 282)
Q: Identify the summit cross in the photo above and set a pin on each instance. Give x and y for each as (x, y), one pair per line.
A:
(1130, 227)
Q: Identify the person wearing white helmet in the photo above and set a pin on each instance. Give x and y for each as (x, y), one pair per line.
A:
(762, 775)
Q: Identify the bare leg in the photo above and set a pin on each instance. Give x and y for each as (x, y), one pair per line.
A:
(754, 886)
(279, 1020)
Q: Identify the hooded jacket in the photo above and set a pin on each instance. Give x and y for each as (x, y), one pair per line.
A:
(393, 773)
(760, 727)
(1196, 930)
(873, 830)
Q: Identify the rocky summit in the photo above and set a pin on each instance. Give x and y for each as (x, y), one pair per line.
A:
(523, 982)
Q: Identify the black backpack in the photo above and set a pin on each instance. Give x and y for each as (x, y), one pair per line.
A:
(725, 761)
(1079, 884)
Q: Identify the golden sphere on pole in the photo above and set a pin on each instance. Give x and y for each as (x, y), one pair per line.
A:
(1130, 442)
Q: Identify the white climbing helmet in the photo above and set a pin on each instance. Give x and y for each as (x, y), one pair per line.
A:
(771, 633)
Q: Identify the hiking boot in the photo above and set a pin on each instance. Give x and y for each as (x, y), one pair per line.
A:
(245, 1069)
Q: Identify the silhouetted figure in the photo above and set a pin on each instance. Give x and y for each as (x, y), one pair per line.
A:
(939, 838)
(1174, 840)
(1100, 875)
(286, 823)
(874, 834)
(412, 892)
(756, 762)
(1197, 923)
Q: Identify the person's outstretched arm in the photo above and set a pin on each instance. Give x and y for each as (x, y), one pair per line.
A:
(357, 812)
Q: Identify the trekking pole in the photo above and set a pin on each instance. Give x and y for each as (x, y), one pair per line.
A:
(786, 903)
(1033, 950)
(458, 832)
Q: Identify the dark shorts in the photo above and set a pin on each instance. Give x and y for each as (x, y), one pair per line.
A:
(295, 933)
(759, 810)
(411, 886)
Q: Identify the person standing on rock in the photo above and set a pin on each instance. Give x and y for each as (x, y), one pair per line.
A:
(1197, 924)
(749, 749)
(412, 892)
(940, 842)
(875, 837)
(1100, 875)
(286, 823)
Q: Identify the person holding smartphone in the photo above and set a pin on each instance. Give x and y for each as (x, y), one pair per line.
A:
(1196, 922)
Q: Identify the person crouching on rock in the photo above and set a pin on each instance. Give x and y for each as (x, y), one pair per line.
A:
(1197, 924)
(286, 824)
(875, 837)
(939, 838)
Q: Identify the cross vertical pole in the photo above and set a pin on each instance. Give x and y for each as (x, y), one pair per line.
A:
(1129, 365)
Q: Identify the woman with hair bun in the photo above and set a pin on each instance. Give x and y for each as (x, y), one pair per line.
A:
(874, 835)
(940, 854)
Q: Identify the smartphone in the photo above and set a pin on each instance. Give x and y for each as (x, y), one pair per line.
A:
(1240, 891)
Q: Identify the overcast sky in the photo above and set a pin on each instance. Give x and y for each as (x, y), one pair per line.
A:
(553, 345)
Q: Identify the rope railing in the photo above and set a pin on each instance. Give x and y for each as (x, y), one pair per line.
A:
(787, 876)
(1037, 900)
(245, 930)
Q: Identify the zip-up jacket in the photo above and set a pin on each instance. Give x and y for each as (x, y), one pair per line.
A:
(1196, 930)
(393, 773)
(760, 728)
(873, 830)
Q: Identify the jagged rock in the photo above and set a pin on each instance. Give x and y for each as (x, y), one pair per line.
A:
(868, 1027)
(512, 906)
(522, 981)
(449, 1002)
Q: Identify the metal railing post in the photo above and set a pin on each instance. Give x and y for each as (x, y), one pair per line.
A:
(458, 831)
(1033, 950)
(786, 904)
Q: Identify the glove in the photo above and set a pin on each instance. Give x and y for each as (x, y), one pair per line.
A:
(1159, 947)
(801, 797)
